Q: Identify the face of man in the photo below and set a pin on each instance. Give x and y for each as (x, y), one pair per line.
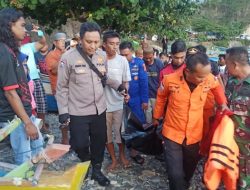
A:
(148, 58)
(139, 54)
(60, 44)
(44, 49)
(18, 29)
(199, 75)
(178, 58)
(222, 61)
(111, 46)
(126, 53)
(91, 42)
(231, 66)
(164, 58)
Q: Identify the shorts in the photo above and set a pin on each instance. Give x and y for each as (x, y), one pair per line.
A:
(40, 97)
(114, 123)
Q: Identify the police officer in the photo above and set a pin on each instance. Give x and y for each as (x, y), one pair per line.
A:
(81, 100)
(138, 89)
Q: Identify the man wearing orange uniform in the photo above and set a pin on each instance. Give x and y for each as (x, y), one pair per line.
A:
(52, 60)
(186, 93)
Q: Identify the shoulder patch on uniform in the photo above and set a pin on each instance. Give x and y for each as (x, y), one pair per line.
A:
(63, 62)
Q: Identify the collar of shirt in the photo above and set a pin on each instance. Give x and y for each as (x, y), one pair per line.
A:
(236, 81)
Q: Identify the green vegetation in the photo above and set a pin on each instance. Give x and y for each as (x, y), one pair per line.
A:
(227, 17)
(126, 16)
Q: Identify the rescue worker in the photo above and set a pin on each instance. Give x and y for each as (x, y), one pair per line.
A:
(238, 94)
(138, 89)
(81, 100)
(186, 93)
(138, 86)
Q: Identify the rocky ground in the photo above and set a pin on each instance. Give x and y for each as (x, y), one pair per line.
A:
(150, 175)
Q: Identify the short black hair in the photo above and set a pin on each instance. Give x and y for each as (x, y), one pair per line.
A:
(126, 45)
(89, 27)
(178, 46)
(195, 59)
(222, 55)
(239, 54)
(156, 51)
(110, 34)
(201, 48)
(163, 53)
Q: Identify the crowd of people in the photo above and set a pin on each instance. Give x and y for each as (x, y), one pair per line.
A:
(91, 81)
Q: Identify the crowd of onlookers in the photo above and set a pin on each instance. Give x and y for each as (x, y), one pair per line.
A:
(91, 79)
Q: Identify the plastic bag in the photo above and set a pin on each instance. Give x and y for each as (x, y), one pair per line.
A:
(136, 136)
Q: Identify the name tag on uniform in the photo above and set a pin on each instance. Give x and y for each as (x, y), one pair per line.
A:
(80, 69)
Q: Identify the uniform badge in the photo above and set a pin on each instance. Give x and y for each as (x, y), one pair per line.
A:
(79, 62)
(135, 77)
(100, 59)
(62, 63)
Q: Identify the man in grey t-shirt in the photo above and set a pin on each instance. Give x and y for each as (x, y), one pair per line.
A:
(118, 69)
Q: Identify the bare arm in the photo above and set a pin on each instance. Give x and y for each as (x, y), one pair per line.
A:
(126, 84)
(42, 41)
(18, 108)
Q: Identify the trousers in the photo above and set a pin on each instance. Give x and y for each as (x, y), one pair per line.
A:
(88, 136)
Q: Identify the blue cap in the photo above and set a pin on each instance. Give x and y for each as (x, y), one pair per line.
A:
(22, 57)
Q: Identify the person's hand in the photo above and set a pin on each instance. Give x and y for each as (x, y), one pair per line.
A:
(155, 122)
(224, 107)
(122, 90)
(144, 106)
(31, 131)
(126, 98)
(64, 120)
(35, 28)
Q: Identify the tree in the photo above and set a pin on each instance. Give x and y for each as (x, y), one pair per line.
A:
(228, 17)
(126, 16)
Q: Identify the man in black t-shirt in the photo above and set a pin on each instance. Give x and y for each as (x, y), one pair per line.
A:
(15, 98)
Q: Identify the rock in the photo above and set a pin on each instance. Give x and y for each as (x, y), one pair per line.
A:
(148, 173)
(149, 176)
(91, 182)
(113, 182)
(155, 179)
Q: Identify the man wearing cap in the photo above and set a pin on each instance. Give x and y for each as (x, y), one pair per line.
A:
(153, 67)
(52, 61)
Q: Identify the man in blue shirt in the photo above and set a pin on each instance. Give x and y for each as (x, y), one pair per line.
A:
(138, 86)
(153, 67)
(138, 89)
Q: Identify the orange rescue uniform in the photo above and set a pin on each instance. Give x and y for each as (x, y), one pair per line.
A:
(184, 116)
(223, 161)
